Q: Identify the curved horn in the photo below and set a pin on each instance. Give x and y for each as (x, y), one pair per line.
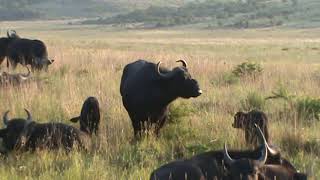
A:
(8, 34)
(226, 157)
(29, 118)
(168, 75)
(265, 143)
(25, 76)
(5, 118)
(184, 63)
(262, 160)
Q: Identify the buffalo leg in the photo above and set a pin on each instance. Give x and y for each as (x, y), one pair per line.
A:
(1, 59)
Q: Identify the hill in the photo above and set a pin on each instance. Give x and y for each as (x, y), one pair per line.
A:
(57, 9)
(212, 14)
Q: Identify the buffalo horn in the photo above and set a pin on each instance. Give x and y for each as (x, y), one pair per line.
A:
(25, 76)
(265, 143)
(263, 158)
(5, 118)
(165, 76)
(226, 157)
(184, 63)
(29, 118)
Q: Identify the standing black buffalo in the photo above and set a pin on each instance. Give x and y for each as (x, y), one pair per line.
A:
(89, 117)
(5, 42)
(147, 90)
(262, 163)
(29, 52)
(26, 135)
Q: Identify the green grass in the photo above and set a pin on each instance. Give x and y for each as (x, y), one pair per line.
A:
(89, 62)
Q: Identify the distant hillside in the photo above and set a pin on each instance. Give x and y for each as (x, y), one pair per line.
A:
(57, 9)
(215, 13)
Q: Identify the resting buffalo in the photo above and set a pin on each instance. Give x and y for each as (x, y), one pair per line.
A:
(247, 121)
(261, 163)
(5, 42)
(89, 117)
(13, 79)
(26, 135)
(147, 90)
(29, 52)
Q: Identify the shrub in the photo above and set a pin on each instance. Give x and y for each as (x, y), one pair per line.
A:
(247, 69)
(253, 101)
(308, 108)
(226, 78)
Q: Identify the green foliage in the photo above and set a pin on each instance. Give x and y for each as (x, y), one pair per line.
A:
(226, 78)
(253, 101)
(247, 69)
(308, 108)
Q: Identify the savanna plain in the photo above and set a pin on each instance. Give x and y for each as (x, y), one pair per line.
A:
(89, 62)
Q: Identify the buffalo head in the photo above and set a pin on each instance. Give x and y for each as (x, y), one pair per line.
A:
(12, 34)
(246, 169)
(239, 120)
(14, 131)
(185, 85)
(43, 63)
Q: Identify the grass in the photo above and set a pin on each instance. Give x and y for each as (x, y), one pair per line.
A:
(89, 62)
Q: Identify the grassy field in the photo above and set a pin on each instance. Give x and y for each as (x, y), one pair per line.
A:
(89, 62)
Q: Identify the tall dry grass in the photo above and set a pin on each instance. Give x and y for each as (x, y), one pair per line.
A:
(89, 62)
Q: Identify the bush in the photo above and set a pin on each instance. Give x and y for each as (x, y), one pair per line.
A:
(226, 79)
(247, 69)
(308, 108)
(253, 101)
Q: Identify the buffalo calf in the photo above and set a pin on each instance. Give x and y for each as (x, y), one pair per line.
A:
(89, 117)
(247, 121)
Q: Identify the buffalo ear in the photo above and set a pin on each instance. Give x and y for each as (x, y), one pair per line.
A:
(75, 119)
(3, 133)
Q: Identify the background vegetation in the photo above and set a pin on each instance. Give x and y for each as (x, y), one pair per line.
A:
(89, 62)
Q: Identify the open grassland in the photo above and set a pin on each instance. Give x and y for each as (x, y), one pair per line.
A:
(89, 62)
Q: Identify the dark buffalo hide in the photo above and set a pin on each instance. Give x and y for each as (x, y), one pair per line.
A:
(147, 90)
(89, 117)
(26, 135)
(246, 121)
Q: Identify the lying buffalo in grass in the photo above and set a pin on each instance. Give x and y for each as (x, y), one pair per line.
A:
(7, 79)
(262, 163)
(22, 134)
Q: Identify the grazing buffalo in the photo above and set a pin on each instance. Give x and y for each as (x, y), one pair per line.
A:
(26, 135)
(147, 90)
(14, 79)
(89, 117)
(231, 165)
(5, 42)
(29, 52)
(247, 121)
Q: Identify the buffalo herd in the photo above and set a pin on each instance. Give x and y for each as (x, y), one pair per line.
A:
(147, 89)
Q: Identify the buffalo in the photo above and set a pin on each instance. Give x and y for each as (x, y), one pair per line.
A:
(5, 42)
(28, 52)
(247, 121)
(147, 89)
(27, 135)
(261, 163)
(89, 117)
(14, 79)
